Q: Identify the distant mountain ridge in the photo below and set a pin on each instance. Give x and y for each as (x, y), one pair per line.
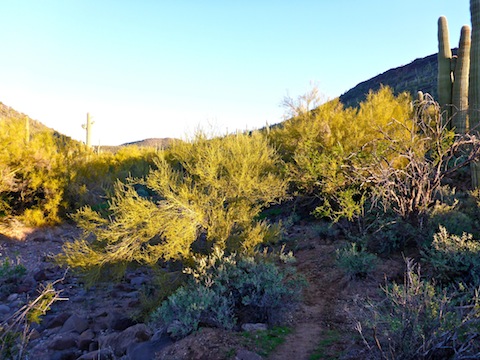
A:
(419, 75)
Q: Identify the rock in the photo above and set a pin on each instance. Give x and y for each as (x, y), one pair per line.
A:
(33, 335)
(103, 354)
(65, 355)
(4, 309)
(56, 321)
(75, 323)
(254, 327)
(119, 322)
(63, 341)
(85, 339)
(28, 284)
(93, 346)
(243, 354)
(40, 275)
(119, 342)
(148, 349)
(138, 281)
(12, 297)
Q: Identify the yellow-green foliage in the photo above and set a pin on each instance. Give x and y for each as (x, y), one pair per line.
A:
(207, 191)
(318, 144)
(46, 175)
(33, 173)
(93, 176)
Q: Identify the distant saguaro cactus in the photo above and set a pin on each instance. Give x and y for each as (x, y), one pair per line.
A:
(88, 128)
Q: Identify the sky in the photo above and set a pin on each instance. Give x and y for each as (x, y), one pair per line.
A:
(158, 68)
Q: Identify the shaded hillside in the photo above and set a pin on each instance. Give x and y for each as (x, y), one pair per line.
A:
(419, 75)
(10, 114)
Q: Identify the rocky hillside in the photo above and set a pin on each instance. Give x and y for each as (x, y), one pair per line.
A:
(419, 75)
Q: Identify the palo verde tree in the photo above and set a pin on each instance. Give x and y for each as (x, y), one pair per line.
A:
(206, 192)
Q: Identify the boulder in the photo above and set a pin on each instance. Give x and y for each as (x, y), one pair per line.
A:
(75, 323)
(63, 341)
(55, 321)
(85, 339)
(148, 349)
(119, 342)
(103, 354)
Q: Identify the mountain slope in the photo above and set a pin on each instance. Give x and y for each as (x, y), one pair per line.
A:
(419, 75)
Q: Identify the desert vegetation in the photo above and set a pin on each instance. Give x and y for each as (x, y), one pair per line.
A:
(389, 176)
(212, 217)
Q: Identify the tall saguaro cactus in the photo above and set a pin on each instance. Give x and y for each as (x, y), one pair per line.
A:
(474, 86)
(474, 89)
(445, 80)
(88, 128)
(461, 83)
(459, 79)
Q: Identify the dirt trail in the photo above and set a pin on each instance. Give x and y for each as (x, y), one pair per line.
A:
(317, 314)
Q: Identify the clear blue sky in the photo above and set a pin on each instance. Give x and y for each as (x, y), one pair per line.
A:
(154, 68)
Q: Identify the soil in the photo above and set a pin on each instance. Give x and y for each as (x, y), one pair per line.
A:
(323, 326)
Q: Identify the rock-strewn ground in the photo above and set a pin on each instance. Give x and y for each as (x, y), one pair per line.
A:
(98, 323)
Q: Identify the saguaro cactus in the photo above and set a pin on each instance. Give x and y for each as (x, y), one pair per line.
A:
(474, 78)
(461, 82)
(88, 128)
(445, 80)
(474, 84)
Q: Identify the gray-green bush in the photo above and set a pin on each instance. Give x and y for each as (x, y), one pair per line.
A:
(453, 257)
(416, 320)
(223, 290)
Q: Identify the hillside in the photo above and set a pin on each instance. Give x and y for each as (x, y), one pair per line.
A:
(419, 75)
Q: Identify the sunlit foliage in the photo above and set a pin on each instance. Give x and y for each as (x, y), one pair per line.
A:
(204, 192)
(317, 143)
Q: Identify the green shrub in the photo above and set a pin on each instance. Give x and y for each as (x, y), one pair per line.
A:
(225, 289)
(10, 274)
(415, 320)
(453, 257)
(356, 263)
(320, 142)
(208, 192)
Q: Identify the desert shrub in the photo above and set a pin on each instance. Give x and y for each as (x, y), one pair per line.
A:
(34, 172)
(15, 332)
(416, 320)
(411, 180)
(355, 262)
(155, 292)
(319, 142)
(92, 177)
(207, 192)
(453, 257)
(386, 233)
(452, 216)
(11, 272)
(222, 290)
